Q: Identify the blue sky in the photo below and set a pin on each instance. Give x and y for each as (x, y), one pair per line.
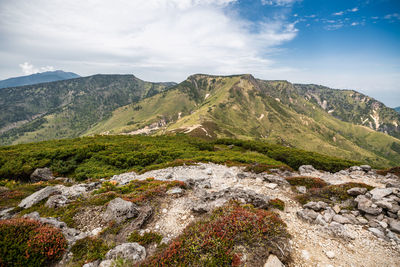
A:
(350, 44)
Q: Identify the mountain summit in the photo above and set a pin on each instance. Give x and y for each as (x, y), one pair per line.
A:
(43, 77)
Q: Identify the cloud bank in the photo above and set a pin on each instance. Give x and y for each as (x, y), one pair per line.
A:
(154, 39)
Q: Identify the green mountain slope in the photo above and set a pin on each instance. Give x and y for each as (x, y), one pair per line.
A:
(244, 107)
(66, 108)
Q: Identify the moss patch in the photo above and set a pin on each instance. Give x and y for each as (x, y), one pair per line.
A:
(145, 239)
(89, 249)
(308, 182)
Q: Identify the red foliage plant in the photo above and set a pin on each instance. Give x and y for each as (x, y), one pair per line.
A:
(29, 242)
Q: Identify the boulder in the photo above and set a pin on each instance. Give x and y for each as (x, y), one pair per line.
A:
(129, 251)
(176, 191)
(395, 226)
(320, 220)
(355, 191)
(355, 169)
(42, 174)
(38, 196)
(328, 214)
(305, 169)
(307, 215)
(384, 204)
(107, 263)
(365, 205)
(365, 168)
(316, 206)
(273, 261)
(301, 189)
(379, 193)
(119, 210)
(341, 219)
(271, 185)
(340, 230)
(57, 201)
(376, 232)
(6, 214)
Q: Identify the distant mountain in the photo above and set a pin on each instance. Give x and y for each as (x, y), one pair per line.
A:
(44, 77)
(67, 108)
(340, 123)
(397, 109)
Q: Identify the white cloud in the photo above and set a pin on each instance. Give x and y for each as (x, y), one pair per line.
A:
(354, 9)
(392, 16)
(354, 24)
(29, 69)
(338, 13)
(154, 39)
(279, 2)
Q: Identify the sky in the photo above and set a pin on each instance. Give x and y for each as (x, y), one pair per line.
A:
(346, 44)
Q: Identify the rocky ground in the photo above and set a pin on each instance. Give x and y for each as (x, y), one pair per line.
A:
(323, 233)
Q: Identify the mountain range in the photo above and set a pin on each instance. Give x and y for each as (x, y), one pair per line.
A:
(43, 77)
(342, 123)
(397, 109)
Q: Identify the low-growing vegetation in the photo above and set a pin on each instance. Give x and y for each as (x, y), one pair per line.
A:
(25, 242)
(219, 240)
(277, 204)
(330, 193)
(104, 156)
(138, 191)
(308, 182)
(146, 239)
(12, 192)
(88, 249)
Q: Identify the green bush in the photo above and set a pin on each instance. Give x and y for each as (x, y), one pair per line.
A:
(308, 182)
(25, 242)
(145, 239)
(89, 249)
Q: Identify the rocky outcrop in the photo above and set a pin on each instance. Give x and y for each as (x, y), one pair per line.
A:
(128, 251)
(38, 196)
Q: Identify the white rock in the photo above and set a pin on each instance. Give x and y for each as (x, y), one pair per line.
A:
(305, 254)
(273, 261)
(330, 254)
(37, 197)
(271, 185)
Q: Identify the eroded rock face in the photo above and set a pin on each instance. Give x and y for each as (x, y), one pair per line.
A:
(42, 174)
(119, 210)
(38, 196)
(129, 251)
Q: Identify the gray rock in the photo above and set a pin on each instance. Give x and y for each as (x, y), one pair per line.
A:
(273, 261)
(307, 215)
(316, 206)
(92, 264)
(320, 220)
(106, 263)
(365, 168)
(301, 189)
(42, 174)
(377, 232)
(395, 226)
(275, 179)
(241, 175)
(271, 185)
(395, 208)
(328, 214)
(305, 169)
(6, 214)
(57, 201)
(129, 251)
(384, 204)
(119, 210)
(355, 191)
(176, 191)
(340, 230)
(201, 208)
(365, 205)
(38, 196)
(392, 215)
(362, 220)
(379, 193)
(341, 219)
(355, 168)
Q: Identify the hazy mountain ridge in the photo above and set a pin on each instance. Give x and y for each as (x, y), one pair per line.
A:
(237, 106)
(66, 108)
(397, 109)
(43, 77)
